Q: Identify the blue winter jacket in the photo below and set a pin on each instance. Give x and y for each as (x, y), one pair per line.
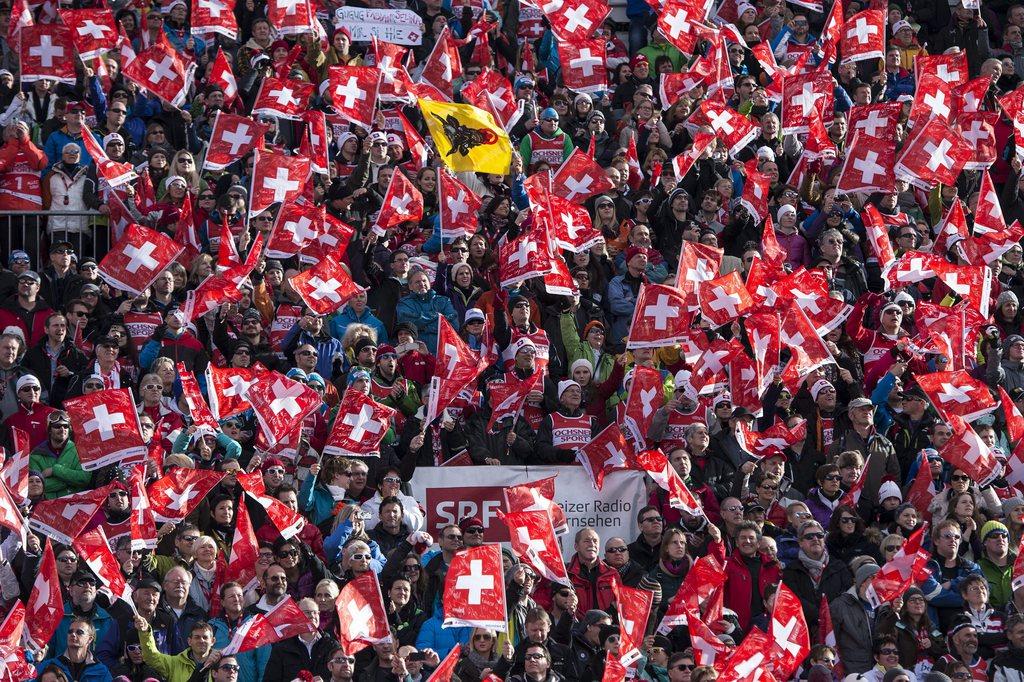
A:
(251, 662)
(346, 316)
(422, 310)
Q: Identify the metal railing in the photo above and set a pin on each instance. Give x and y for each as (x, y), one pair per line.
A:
(34, 231)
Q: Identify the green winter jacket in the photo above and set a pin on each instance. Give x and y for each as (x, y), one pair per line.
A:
(67, 476)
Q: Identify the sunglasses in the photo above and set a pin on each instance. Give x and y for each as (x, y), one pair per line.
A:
(813, 536)
(288, 553)
(892, 548)
(344, 659)
(475, 530)
(483, 637)
(833, 477)
(361, 557)
(959, 477)
(276, 470)
(616, 550)
(685, 666)
(230, 667)
(888, 652)
(847, 519)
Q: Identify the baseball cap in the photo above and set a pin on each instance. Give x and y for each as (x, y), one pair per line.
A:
(32, 275)
(18, 255)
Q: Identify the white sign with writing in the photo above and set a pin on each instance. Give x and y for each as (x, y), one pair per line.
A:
(399, 26)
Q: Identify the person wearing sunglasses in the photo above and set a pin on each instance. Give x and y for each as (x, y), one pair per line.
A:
(680, 666)
(31, 415)
(824, 498)
(76, 653)
(814, 572)
(57, 459)
(546, 143)
(960, 483)
(483, 652)
(846, 538)
(399, 519)
(996, 562)
(948, 569)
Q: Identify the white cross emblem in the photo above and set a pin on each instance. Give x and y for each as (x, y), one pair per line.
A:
(178, 500)
(360, 620)
(284, 96)
(284, 398)
(809, 302)
(350, 92)
(975, 133)
(576, 18)
(445, 60)
(161, 70)
(782, 634)
(937, 103)
(862, 30)
(238, 386)
(237, 138)
(281, 184)
(475, 582)
(400, 204)
(578, 187)
(532, 544)
(46, 51)
(361, 422)
(807, 98)
(747, 667)
(945, 74)
(140, 257)
(104, 422)
(325, 289)
(677, 23)
(452, 353)
(91, 28)
(457, 205)
(68, 511)
(871, 123)
(661, 311)
(937, 154)
(215, 7)
(585, 62)
(290, 6)
(616, 457)
(522, 254)
(647, 399)
(950, 393)
(725, 301)
(301, 230)
(868, 167)
(720, 121)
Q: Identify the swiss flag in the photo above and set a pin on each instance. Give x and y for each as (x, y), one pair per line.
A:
(281, 404)
(474, 589)
(354, 91)
(283, 621)
(15, 468)
(803, 94)
(94, 548)
(287, 521)
(818, 145)
(682, 163)
(326, 286)
(572, 18)
(702, 582)
(660, 317)
(537, 495)
(277, 179)
(114, 172)
(988, 215)
(790, 636)
(766, 344)
(390, 60)
(525, 257)
(957, 393)
(314, 141)
(106, 428)
(65, 517)
(142, 523)
(296, 226)
(13, 626)
(869, 165)
(160, 69)
(291, 17)
(967, 452)
(458, 206)
(678, 22)
(583, 64)
(47, 51)
(933, 98)
(646, 395)
(333, 238)
(907, 566)
(1017, 581)
(748, 662)
(731, 127)
(231, 138)
(697, 263)
(197, 406)
(708, 649)
(864, 36)
(579, 178)
(922, 489)
(214, 16)
(724, 299)
(507, 397)
(973, 283)
(609, 450)
(45, 606)
(402, 203)
(445, 671)
(245, 550)
(878, 237)
(874, 120)
(456, 368)
(755, 195)
(809, 352)
(359, 427)
(979, 129)
(775, 438)
(633, 607)
(492, 92)
(661, 471)
(92, 30)
(443, 64)
(569, 224)
(532, 536)
(222, 75)
(362, 618)
(951, 68)
(934, 154)
(227, 387)
(180, 491)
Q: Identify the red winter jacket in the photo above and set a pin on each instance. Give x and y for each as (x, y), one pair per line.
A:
(592, 593)
(738, 583)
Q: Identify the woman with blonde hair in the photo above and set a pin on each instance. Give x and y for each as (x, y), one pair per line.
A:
(200, 269)
(183, 164)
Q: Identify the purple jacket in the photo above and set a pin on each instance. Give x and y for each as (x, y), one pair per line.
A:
(820, 508)
(798, 252)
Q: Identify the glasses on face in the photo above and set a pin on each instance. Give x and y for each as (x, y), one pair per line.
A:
(484, 637)
(266, 556)
(950, 536)
(770, 487)
(534, 657)
(230, 667)
(66, 252)
(813, 536)
(892, 548)
(847, 519)
(684, 666)
(459, 249)
(154, 387)
(961, 676)
(361, 557)
(475, 530)
(888, 652)
(118, 493)
(616, 550)
(309, 352)
(392, 479)
(833, 477)
(959, 477)
(189, 538)
(652, 519)
(411, 568)
(338, 660)
(30, 388)
(997, 534)
(733, 508)
(206, 197)
(278, 471)
(68, 560)
(457, 538)
(79, 632)
(288, 553)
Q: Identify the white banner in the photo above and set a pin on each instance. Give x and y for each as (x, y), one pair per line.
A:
(399, 26)
(453, 493)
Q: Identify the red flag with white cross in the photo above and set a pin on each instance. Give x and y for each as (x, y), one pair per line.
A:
(106, 428)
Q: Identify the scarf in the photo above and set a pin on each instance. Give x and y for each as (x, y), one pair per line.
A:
(337, 492)
(480, 660)
(816, 567)
(675, 568)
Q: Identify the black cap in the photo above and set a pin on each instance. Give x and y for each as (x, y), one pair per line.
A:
(61, 245)
(406, 327)
(147, 582)
(515, 301)
(84, 575)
